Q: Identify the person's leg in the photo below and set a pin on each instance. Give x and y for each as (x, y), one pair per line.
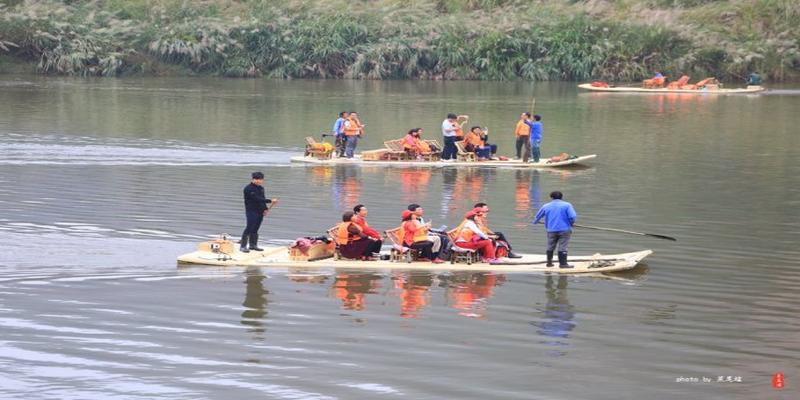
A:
(494, 148)
(424, 248)
(527, 144)
(351, 146)
(552, 240)
(257, 219)
(375, 247)
(485, 247)
(445, 246)
(536, 153)
(340, 144)
(518, 146)
(448, 146)
(563, 244)
(248, 230)
(437, 244)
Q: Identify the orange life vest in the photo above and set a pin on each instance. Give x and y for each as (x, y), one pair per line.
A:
(351, 127)
(344, 237)
(409, 237)
(522, 129)
(473, 139)
(423, 146)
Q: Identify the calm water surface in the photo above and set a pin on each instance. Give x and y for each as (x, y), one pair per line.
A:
(104, 182)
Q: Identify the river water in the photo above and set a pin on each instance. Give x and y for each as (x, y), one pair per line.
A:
(105, 182)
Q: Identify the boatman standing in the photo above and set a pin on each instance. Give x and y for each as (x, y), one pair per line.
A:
(255, 205)
(536, 136)
(559, 216)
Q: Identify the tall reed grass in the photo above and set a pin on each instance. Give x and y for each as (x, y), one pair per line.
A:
(416, 39)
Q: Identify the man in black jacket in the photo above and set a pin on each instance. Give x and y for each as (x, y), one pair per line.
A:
(255, 205)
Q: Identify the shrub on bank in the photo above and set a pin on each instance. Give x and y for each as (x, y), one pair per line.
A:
(623, 40)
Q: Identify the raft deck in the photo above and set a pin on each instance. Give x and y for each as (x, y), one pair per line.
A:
(278, 257)
(630, 89)
(357, 160)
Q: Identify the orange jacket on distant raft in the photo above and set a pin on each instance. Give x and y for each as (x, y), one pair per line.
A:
(473, 139)
(522, 129)
(352, 127)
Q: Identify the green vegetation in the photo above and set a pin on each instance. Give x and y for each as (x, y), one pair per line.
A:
(412, 39)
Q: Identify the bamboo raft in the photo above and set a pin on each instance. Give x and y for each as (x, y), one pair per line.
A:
(284, 257)
(630, 89)
(359, 160)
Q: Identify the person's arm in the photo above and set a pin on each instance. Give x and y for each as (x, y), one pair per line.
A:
(354, 229)
(539, 216)
(448, 126)
(572, 215)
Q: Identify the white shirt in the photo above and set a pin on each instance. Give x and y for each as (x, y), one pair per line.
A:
(448, 128)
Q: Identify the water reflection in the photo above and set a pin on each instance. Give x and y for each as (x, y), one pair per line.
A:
(414, 183)
(352, 289)
(255, 301)
(463, 187)
(413, 291)
(527, 196)
(346, 187)
(558, 315)
(469, 292)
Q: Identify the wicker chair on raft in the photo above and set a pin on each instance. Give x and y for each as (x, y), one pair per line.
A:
(463, 154)
(320, 150)
(399, 250)
(460, 254)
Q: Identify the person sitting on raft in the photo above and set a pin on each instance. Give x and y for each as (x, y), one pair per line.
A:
(441, 244)
(415, 236)
(475, 141)
(414, 145)
(470, 236)
(360, 219)
(353, 242)
(483, 223)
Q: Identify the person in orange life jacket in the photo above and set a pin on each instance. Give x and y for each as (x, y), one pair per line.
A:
(414, 144)
(415, 236)
(483, 223)
(353, 242)
(476, 141)
(255, 205)
(353, 128)
(470, 236)
(338, 132)
(441, 243)
(360, 219)
(523, 133)
(559, 216)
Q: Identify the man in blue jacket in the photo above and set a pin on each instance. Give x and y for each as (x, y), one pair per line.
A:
(559, 216)
(255, 205)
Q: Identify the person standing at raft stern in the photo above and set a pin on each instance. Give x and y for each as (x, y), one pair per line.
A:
(523, 134)
(452, 131)
(559, 216)
(338, 132)
(536, 136)
(255, 206)
(352, 131)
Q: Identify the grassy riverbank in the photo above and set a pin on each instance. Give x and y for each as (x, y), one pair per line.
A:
(413, 39)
